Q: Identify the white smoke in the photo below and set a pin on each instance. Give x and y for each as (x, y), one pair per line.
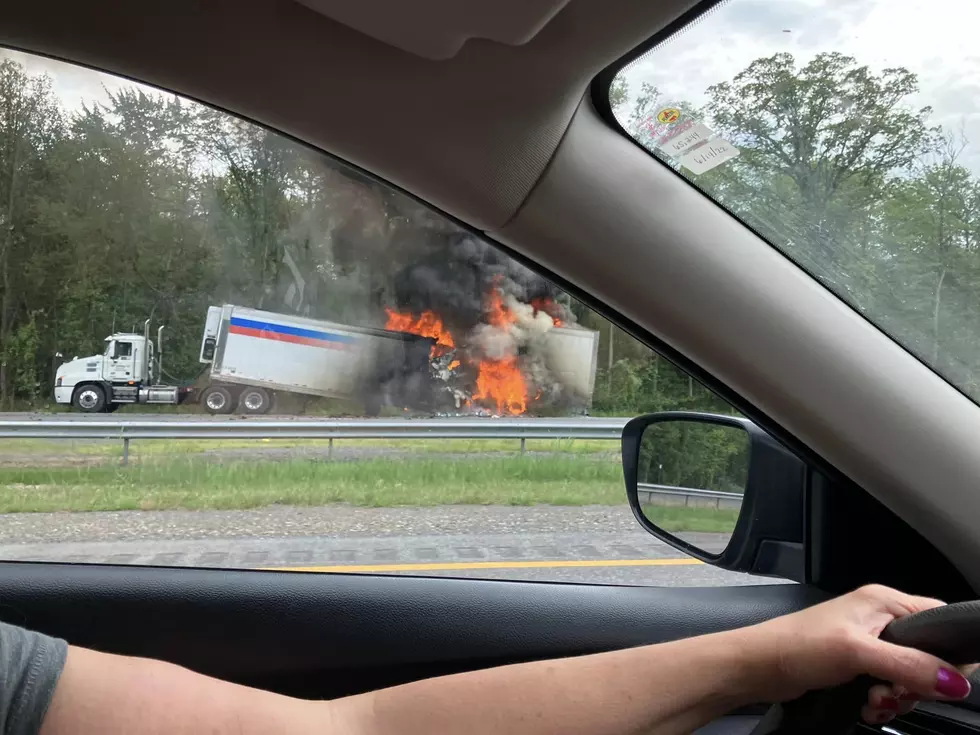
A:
(513, 339)
(489, 342)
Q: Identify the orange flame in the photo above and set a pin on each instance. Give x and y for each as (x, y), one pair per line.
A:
(501, 381)
(497, 312)
(427, 325)
(549, 307)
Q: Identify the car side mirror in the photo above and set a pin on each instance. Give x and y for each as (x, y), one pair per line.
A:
(718, 488)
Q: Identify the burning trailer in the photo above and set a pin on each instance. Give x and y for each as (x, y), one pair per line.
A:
(518, 357)
(460, 329)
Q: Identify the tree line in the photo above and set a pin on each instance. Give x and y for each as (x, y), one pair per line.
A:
(149, 206)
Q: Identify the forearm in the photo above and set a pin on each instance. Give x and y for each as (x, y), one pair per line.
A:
(102, 694)
(669, 688)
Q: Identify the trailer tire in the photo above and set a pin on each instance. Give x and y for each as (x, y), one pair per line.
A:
(89, 398)
(254, 401)
(216, 399)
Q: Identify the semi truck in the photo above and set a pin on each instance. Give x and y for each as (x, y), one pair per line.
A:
(251, 356)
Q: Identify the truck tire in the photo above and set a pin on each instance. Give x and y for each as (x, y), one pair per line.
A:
(89, 398)
(216, 399)
(254, 401)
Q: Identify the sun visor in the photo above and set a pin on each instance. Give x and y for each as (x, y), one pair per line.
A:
(438, 29)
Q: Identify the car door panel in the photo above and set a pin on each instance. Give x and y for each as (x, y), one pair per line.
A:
(320, 635)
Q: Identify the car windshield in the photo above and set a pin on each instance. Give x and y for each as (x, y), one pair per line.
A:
(320, 372)
(848, 135)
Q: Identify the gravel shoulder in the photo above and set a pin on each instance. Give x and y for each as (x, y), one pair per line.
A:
(324, 521)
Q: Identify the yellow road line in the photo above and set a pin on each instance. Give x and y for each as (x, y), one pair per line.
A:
(465, 566)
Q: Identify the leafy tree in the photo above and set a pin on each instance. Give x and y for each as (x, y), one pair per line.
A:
(818, 144)
(30, 124)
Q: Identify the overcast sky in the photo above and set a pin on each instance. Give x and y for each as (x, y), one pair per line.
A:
(938, 40)
(74, 85)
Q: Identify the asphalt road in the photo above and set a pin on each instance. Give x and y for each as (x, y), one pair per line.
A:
(594, 544)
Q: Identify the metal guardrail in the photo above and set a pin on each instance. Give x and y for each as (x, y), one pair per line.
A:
(445, 428)
(327, 429)
(448, 428)
(687, 496)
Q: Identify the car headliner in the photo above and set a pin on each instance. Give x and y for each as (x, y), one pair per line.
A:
(502, 135)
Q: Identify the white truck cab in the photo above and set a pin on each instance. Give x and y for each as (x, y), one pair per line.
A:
(126, 372)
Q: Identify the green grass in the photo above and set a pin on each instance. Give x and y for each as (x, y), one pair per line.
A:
(181, 447)
(175, 475)
(198, 485)
(678, 518)
(195, 484)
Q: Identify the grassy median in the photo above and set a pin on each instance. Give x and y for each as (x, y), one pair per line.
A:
(105, 448)
(195, 483)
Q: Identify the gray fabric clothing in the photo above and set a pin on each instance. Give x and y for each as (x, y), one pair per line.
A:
(30, 666)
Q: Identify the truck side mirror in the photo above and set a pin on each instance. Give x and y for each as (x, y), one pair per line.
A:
(732, 476)
(208, 352)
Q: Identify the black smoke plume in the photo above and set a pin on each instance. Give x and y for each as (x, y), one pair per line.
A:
(454, 275)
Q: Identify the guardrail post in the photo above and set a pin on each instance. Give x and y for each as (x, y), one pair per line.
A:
(125, 457)
(330, 449)
(523, 445)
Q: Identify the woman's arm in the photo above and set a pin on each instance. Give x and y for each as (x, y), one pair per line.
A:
(671, 687)
(668, 688)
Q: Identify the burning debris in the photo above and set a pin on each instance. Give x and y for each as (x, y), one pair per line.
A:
(492, 321)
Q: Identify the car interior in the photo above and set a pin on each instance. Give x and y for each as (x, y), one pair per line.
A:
(499, 116)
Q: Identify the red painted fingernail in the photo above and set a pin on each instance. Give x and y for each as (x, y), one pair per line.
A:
(889, 703)
(952, 684)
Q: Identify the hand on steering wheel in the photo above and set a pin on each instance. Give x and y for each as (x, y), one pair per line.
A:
(870, 654)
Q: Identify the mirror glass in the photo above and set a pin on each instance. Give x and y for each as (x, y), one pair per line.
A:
(691, 476)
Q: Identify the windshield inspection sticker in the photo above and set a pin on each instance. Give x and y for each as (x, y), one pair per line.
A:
(681, 142)
(706, 157)
(668, 116)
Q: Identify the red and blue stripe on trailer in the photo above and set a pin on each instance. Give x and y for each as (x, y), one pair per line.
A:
(294, 335)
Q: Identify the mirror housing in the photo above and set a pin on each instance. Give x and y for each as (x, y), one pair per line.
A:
(768, 537)
(207, 352)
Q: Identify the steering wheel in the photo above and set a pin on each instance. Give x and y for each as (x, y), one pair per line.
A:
(951, 632)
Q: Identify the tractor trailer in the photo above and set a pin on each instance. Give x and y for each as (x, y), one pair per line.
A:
(252, 355)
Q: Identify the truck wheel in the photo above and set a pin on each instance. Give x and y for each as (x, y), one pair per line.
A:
(254, 401)
(89, 399)
(217, 399)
